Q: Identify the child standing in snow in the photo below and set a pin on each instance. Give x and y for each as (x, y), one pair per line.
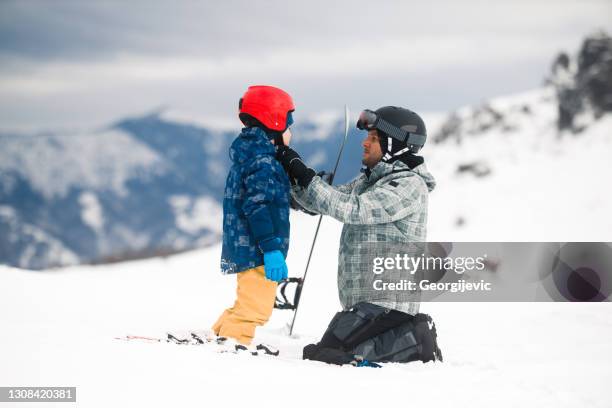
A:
(256, 212)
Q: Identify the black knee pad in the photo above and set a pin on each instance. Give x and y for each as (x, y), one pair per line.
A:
(412, 341)
(343, 333)
(347, 326)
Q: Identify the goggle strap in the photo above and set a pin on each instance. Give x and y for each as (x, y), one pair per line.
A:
(401, 135)
(388, 156)
(390, 129)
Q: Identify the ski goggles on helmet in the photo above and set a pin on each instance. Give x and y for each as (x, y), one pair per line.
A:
(289, 118)
(369, 120)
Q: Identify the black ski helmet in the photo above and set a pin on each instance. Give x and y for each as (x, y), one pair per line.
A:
(400, 130)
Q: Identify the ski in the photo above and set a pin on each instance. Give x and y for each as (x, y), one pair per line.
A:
(204, 337)
(140, 338)
(194, 337)
(223, 345)
(173, 339)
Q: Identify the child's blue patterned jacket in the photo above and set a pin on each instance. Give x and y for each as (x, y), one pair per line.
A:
(255, 203)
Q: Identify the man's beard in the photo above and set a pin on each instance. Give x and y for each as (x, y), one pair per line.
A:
(367, 163)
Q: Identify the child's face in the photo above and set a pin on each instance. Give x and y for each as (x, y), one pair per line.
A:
(287, 137)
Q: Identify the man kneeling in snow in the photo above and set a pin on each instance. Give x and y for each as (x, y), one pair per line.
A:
(386, 204)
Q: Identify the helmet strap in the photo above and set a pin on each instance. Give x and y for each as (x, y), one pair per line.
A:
(388, 155)
(278, 139)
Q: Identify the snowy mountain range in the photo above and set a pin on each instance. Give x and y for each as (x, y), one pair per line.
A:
(152, 185)
(143, 186)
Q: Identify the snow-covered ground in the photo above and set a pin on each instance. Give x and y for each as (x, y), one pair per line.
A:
(541, 186)
(58, 329)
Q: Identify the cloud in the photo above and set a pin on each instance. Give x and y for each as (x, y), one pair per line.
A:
(68, 30)
(112, 56)
(368, 58)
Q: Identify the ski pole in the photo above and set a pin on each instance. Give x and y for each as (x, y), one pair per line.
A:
(314, 240)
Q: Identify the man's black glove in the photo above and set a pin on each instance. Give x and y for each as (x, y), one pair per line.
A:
(294, 166)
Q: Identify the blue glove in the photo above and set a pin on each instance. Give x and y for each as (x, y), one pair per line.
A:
(275, 265)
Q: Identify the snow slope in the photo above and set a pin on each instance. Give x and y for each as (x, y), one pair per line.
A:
(58, 329)
(527, 182)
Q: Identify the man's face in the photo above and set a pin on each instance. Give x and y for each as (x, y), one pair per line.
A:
(372, 152)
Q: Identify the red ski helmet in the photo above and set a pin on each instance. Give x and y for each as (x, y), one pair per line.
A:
(268, 104)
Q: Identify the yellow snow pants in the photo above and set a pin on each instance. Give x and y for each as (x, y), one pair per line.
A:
(255, 297)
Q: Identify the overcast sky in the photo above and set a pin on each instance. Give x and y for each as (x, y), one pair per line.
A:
(73, 64)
